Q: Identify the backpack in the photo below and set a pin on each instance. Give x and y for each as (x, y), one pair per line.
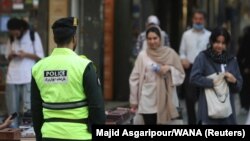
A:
(32, 34)
(32, 38)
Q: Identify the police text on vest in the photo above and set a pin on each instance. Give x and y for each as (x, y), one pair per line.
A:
(55, 76)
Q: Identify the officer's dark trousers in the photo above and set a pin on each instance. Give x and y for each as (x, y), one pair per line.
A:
(190, 95)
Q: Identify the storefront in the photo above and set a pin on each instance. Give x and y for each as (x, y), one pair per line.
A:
(108, 28)
(25, 9)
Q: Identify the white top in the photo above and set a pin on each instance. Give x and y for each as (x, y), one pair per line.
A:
(223, 66)
(19, 70)
(148, 101)
(192, 43)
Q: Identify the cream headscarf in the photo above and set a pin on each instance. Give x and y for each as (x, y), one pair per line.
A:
(165, 55)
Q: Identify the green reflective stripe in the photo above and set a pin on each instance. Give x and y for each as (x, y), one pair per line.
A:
(61, 106)
(76, 113)
(50, 130)
(85, 57)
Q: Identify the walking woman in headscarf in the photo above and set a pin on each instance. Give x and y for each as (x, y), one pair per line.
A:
(216, 60)
(156, 73)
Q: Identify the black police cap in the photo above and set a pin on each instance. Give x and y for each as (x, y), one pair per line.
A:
(65, 27)
(69, 22)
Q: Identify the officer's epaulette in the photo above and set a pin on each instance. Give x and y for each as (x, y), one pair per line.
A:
(85, 57)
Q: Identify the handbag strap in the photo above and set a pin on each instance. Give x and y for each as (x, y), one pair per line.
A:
(221, 101)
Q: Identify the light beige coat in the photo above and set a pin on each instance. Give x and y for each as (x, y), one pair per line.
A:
(165, 105)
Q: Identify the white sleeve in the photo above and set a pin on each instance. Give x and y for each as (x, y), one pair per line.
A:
(177, 76)
(8, 49)
(175, 97)
(38, 46)
(182, 50)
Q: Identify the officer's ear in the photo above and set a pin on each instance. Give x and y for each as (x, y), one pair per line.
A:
(74, 39)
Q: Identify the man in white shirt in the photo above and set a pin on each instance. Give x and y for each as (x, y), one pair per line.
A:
(24, 48)
(193, 42)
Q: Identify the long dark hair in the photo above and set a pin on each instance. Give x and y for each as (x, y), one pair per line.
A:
(220, 31)
(17, 24)
(224, 57)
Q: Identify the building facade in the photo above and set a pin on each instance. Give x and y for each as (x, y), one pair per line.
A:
(108, 28)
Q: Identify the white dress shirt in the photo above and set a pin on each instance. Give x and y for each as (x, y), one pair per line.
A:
(192, 43)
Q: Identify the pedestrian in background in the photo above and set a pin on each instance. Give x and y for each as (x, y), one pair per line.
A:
(193, 41)
(66, 95)
(22, 53)
(214, 59)
(156, 73)
(141, 42)
(244, 64)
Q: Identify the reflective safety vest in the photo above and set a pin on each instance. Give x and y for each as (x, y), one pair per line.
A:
(59, 78)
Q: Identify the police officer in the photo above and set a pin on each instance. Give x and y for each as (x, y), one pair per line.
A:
(66, 93)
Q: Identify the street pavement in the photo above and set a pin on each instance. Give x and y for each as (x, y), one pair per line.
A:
(240, 113)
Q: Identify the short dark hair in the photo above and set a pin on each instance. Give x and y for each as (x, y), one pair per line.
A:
(219, 31)
(64, 30)
(63, 39)
(198, 11)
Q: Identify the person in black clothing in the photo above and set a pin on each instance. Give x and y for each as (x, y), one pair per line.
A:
(66, 95)
(244, 64)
